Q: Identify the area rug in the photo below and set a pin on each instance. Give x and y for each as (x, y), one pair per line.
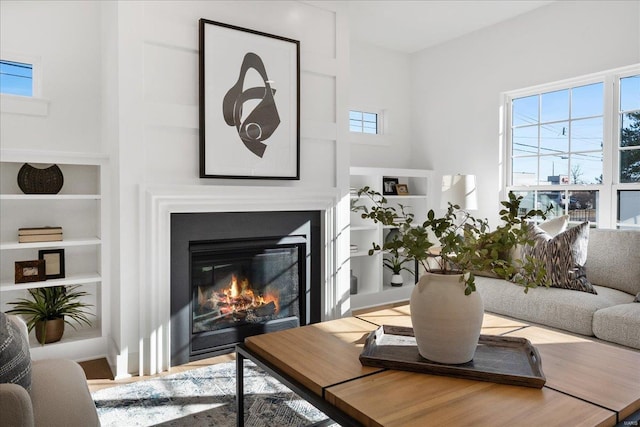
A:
(204, 397)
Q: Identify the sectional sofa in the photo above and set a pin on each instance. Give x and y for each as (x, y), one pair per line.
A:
(613, 314)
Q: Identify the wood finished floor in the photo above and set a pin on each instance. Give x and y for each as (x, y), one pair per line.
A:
(99, 374)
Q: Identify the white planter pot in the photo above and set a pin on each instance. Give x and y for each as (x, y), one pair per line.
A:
(446, 322)
(396, 280)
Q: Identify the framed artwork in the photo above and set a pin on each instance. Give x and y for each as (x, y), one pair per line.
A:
(30, 271)
(249, 103)
(402, 189)
(389, 186)
(54, 262)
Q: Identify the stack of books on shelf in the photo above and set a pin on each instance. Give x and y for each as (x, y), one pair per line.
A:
(39, 234)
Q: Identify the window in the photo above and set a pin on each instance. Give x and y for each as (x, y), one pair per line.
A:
(629, 119)
(16, 78)
(363, 122)
(575, 146)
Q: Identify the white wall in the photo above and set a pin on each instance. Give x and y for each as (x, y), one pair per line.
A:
(380, 79)
(156, 68)
(456, 85)
(65, 38)
(122, 77)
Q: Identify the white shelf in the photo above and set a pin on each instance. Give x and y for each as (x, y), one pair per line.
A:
(405, 197)
(369, 270)
(78, 279)
(58, 157)
(92, 241)
(82, 209)
(50, 197)
(359, 254)
(363, 227)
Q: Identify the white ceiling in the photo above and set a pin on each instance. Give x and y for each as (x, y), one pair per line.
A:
(410, 26)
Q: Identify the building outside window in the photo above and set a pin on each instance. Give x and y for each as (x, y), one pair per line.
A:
(575, 146)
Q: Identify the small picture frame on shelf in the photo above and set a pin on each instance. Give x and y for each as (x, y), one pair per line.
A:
(402, 189)
(389, 186)
(30, 271)
(54, 262)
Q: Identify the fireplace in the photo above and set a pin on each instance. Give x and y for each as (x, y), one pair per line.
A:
(234, 275)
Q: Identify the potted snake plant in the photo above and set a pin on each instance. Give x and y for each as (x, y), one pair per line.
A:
(50, 308)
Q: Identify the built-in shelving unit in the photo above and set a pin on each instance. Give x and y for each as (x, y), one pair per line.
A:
(373, 279)
(81, 209)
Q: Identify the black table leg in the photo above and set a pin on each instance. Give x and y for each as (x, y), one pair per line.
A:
(240, 390)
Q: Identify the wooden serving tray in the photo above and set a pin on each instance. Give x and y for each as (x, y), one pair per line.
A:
(499, 359)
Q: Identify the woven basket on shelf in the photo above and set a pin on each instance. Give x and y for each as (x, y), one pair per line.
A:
(32, 180)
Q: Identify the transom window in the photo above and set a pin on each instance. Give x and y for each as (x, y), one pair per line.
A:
(575, 146)
(363, 122)
(16, 78)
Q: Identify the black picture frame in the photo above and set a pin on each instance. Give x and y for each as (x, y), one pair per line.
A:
(389, 186)
(237, 65)
(54, 262)
(30, 271)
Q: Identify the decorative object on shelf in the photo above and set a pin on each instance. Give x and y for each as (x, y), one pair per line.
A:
(467, 247)
(54, 262)
(389, 186)
(30, 271)
(402, 189)
(395, 262)
(48, 331)
(354, 284)
(248, 130)
(393, 233)
(32, 180)
(55, 303)
(39, 234)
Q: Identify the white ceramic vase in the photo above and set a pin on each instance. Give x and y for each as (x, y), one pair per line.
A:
(446, 322)
(396, 280)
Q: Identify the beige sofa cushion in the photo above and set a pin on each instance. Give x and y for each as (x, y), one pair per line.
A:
(559, 308)
(619, 324)
(614, 259)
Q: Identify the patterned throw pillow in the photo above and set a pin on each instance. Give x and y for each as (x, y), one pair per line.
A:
(553, 227)
(563, 256)
(15, 359)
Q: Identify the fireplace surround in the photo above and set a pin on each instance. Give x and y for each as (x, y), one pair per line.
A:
(159, 202)
(237, 274)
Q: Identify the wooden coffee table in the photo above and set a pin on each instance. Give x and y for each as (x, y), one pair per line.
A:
(588, 383)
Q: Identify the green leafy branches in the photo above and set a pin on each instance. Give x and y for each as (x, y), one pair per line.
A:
(466, 244)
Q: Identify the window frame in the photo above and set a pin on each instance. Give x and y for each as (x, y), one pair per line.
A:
(363, 121)
(34, 105)
(379, 138)
(607, 212)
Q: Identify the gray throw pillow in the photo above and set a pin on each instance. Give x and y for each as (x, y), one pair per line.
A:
(563, 256)
(15, 359)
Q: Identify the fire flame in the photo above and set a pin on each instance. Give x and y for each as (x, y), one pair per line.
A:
(239, 296)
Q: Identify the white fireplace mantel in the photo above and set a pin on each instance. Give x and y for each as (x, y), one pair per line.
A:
(157, 205)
